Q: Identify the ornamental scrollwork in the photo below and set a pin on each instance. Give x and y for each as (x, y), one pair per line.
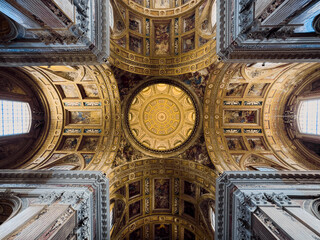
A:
(280, 199)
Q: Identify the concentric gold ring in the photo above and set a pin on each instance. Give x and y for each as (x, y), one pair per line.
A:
(162, 117)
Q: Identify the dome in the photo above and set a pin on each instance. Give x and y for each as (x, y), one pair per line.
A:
(162, 117)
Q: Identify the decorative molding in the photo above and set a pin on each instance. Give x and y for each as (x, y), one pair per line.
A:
(244, 34)
(85, 40)
(280, 199)
(87, 192)
(240, 194)
(50, 197)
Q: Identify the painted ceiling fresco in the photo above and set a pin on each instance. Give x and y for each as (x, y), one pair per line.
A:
(164, 117)
(163, 37)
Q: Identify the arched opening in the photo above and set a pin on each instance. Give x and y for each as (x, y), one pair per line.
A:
(308, 116)
(15, 117)
(22, 117)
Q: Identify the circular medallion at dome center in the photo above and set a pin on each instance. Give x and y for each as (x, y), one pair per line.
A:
(161, 116)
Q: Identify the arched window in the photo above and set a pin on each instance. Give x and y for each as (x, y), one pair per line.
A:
(15, 117)
(111, 18)
(22, 117)
(302, 117)
(212, 218)
(308, 116)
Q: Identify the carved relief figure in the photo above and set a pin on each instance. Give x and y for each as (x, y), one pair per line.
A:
(241, 116)
(162, 38)
(161, 193)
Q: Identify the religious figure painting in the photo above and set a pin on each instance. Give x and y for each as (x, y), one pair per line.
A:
(134, 189)
(69, 91)
(161, 3)
(135, 23)
(188, 43)
(162, 38)
(256, 143)
(87, 157)
(162, 231)
(235, 143)
(89, 144)
(69, 143)
(202, 41)
(257, 89)
(121, 42)
(162, 194)
(135, 44)
(90, 90)
(188, 23)
(134, 209)
(85, 117)
(235, 89)
(240, 116)
(189, 189)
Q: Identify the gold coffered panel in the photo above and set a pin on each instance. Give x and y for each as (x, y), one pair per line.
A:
(162, 117)
(163, 43)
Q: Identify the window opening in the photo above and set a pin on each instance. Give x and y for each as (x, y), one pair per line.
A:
(309, 116)
(15, 117)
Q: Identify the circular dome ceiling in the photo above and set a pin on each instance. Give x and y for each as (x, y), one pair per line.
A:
(162, 37)
(162, 117)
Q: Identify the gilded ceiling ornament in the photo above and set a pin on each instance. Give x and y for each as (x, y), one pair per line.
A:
(162, 117)
(160, 42)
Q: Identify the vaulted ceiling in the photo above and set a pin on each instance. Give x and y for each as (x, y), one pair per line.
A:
(164, 117)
